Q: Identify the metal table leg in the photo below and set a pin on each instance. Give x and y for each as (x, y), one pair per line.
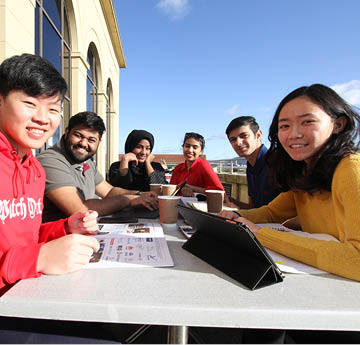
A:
(178, 335)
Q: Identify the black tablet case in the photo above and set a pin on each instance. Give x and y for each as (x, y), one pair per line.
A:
(140, 212)
(230, 247)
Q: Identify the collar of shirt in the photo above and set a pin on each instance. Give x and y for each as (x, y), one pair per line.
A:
(260, 161)
(183, 167)
(83, 168)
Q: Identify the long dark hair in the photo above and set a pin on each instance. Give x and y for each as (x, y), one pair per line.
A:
(290, 174)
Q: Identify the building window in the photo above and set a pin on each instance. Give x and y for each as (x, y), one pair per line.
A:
(91, 82)
(52, 41)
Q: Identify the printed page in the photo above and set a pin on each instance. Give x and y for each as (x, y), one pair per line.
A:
(131, 245)
(136, 229)
(202, 206)
(280, 227)
(185, 200)
(288, 265)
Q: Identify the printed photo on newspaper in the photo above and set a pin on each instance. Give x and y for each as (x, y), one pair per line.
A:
(131, 245)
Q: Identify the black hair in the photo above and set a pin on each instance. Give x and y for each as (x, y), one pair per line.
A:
(242, 121)
(296, 175)
(87, 119)
(32, 74)
(196, 136)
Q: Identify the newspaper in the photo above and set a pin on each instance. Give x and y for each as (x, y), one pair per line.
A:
(288, 265)
(131, 245)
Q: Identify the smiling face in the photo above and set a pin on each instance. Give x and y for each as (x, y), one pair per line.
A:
(304, 128)
(245, 142)
(27, 121)
(142, 150)
(81, 143)
(192, 150)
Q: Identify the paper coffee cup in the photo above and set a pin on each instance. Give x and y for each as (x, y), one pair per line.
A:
(167, 209)
(168, 189)
(214, 200)
(155, 187)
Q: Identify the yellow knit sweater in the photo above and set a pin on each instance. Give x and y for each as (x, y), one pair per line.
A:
(336, 213)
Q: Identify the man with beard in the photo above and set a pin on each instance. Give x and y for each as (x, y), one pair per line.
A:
(73, 182)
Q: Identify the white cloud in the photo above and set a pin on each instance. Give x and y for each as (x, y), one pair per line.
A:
(233, 110)
(350, 91)
(218, 136)
(176, 9)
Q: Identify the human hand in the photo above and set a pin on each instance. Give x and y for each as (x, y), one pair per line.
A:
(149, 194)
(150, 203)
(83, 222)
(230, 204)
(66, 254)
(131, 157)
(229, 215)
(187, 191)
(163, 163)
(234, 216)
(150, 158)
(253, 227)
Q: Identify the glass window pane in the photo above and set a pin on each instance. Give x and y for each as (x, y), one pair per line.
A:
(67, 68)
(51, 45)
(52, 8)
(90, 96)
(66, 31)
(90, 60)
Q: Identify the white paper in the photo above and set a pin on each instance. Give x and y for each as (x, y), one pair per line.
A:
(131, 245)
(202, 206)
(282, 228)
(186, 200)
(288, 265)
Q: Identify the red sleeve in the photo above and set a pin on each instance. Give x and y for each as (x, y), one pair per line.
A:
(19, 262)
(211, 179)
(52, 230)
(175, 176)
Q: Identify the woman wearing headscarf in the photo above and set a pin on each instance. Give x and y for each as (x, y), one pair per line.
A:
(136, 170)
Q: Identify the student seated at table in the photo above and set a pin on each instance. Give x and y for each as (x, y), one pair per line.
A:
(137, 170)
(245, 137)
(198, 173)
(31, 96)
(73, 182)
(314, 159)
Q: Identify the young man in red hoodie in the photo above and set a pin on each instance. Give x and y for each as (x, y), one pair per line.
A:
(31, 95)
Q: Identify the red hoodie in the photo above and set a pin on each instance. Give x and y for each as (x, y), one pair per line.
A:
(21, 204)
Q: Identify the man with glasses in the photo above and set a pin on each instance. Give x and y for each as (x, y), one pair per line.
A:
(73, 182)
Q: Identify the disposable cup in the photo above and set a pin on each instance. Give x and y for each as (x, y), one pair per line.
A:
(168, 189)
(154, 187)
(214, 200)
(167, 209)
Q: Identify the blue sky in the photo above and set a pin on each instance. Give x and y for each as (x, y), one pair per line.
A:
(194, 65)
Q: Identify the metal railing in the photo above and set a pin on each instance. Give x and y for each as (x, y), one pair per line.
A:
(231, 166)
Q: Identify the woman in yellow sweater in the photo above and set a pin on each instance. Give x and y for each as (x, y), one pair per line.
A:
(314, 139)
